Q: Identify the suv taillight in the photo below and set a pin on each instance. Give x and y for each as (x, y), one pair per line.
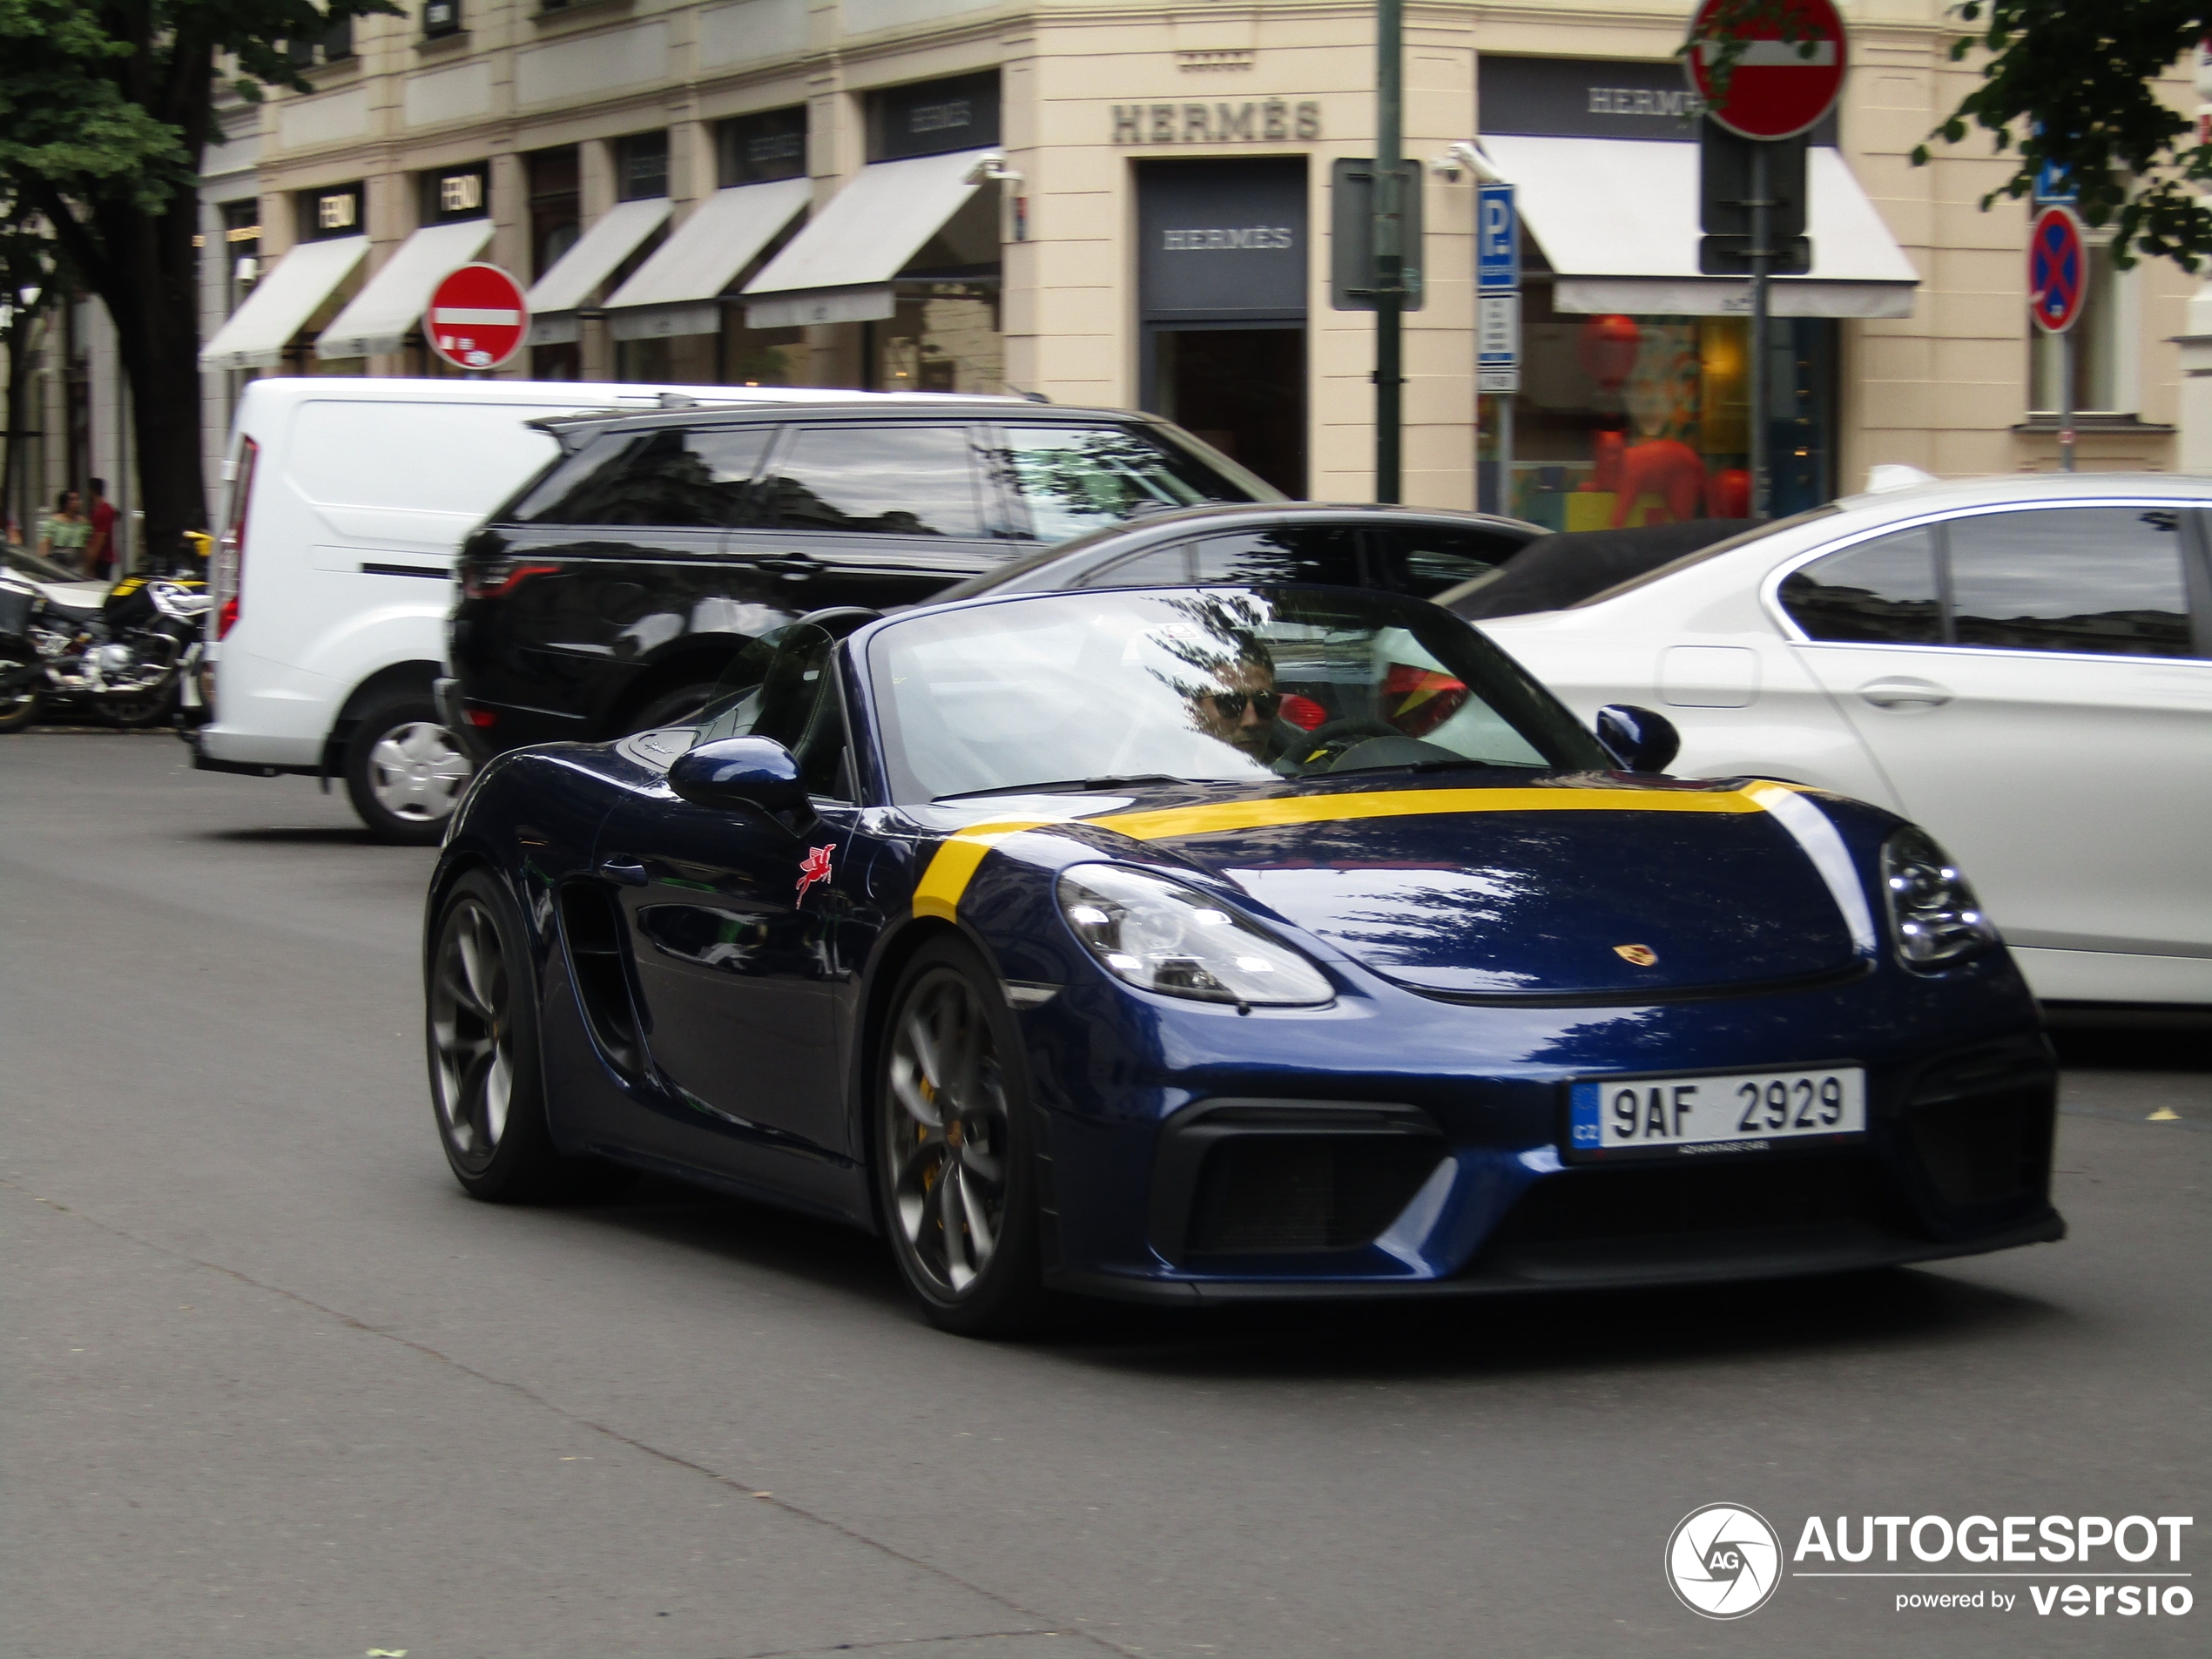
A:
(496, 578)
(227, 575)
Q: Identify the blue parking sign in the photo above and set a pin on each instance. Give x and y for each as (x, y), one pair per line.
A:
(1497, 261)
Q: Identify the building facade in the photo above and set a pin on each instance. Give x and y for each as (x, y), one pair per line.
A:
(1131, 206)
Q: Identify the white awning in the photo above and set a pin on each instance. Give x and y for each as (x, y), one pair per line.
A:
(258, 332)
(580, 273)
(1617, 220)
(390, 308)
(839, 269)
(677, 290)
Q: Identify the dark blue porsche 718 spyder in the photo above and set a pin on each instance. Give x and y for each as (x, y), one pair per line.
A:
(1197, 944)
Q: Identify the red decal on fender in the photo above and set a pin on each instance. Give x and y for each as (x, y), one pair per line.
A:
(816, 868)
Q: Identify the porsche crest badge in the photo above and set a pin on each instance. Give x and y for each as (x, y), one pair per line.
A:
(1642, 955)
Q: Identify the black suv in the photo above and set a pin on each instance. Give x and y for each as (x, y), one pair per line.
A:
(613, 592)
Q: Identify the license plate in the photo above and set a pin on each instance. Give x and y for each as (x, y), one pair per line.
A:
(1713, 1114)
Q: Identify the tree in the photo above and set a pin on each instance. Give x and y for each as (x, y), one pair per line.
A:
(2070, 84)
(30, 283)
(106, 106)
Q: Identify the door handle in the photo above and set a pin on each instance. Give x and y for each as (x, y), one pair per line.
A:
(628, 871)
(1905, 693)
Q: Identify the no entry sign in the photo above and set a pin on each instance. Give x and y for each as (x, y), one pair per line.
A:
(2057, 274)
(1790, 74)
(477, 317)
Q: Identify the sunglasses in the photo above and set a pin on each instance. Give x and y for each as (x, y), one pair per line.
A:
(1231, 705)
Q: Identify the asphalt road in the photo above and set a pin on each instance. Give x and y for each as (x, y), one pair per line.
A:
(269, 1384)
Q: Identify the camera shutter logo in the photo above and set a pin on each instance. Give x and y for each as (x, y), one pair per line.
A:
(1723, 1561)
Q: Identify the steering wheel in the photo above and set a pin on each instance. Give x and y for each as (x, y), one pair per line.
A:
(1317, 748)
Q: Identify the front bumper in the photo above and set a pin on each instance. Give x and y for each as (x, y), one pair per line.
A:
(1382, 1158)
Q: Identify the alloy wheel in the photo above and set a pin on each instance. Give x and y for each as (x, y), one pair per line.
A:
(415, 772)
(471, 1033)
(945, 1134)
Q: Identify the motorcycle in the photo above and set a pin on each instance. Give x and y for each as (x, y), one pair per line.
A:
(122, 658)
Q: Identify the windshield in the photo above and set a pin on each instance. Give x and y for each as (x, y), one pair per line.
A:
(1074, 479)
(1713, 551)
(1218, 685)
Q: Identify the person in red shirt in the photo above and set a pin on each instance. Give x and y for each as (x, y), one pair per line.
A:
(100, 551)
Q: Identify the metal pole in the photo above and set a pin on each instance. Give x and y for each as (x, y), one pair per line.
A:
(1760, 255)
(2066, 402)
(1505, 452)
(1390, 247)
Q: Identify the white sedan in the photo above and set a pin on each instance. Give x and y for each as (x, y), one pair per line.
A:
(2023, 665)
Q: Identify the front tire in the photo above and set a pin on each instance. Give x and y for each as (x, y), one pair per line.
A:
(955, 1160)
(20, 707)
(404, 771)
(486, 1086)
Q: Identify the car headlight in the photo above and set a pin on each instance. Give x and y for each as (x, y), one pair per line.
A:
(1160, 935)
(1933, 912)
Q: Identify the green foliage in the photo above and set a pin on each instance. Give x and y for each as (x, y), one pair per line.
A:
(110, 103)
(2071, 84)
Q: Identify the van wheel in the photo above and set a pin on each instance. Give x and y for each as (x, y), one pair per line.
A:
(404, 771)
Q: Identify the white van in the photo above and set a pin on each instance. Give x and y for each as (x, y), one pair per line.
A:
(332, 582)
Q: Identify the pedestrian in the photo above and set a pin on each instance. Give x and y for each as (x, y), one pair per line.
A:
(100, 552)
(64, 535)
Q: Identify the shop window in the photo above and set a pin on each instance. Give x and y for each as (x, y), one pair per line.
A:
(641, 166)
(1645, 420)
(333, 210)
(754, 149)
(943, 337)
(440, 17)
(455, 193)
(930, 118)
(888, 480)
(2104, 383)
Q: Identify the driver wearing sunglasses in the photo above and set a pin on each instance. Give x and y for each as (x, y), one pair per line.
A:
(1241, 710)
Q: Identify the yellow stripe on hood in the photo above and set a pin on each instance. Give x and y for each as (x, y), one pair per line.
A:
(957, 861)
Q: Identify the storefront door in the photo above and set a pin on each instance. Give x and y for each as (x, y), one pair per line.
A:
(1221, 287)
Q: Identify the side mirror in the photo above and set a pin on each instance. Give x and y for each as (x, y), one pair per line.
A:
(1639, 739)
(740, 772)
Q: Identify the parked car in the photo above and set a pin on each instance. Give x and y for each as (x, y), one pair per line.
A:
(1432, 553)
(1191, 945)
(612, 593)
(2023, 664)
(347, 500)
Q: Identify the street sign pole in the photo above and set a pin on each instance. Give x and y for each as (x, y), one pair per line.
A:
(1390, 247)
(1762, 255)
(2066, 402)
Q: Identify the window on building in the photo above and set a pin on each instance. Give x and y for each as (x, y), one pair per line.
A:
(641, 166)
(930, 117)
(1645, 420)
(557, 205)
(440, 17)
(452, 193)
(333, 46)
(2103, 382)
(754, 149)
(331, 210)
(241, 252)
